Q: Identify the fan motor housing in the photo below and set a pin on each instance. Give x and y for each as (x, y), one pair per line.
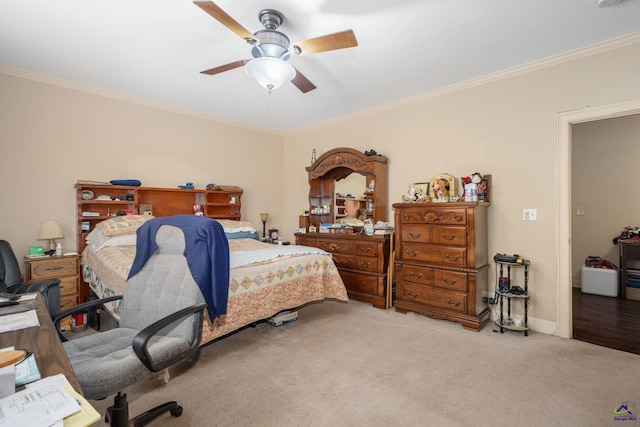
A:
(272, 44)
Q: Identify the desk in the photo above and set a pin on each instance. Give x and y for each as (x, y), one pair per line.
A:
(45, 344)
(629, 258)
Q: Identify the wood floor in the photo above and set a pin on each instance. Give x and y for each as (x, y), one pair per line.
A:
(606, 321)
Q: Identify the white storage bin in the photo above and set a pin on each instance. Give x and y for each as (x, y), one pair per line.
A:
(600, 281)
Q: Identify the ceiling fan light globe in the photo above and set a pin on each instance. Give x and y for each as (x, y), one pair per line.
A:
(270, 73)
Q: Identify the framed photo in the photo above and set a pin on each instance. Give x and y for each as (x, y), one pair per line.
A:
(422, 191)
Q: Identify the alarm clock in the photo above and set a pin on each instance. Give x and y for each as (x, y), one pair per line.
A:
(273, 234)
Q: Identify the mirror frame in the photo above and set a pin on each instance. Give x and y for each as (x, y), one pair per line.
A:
(340, 162)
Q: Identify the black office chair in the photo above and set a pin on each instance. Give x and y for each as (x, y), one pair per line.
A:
(11, 280)
(160, 324)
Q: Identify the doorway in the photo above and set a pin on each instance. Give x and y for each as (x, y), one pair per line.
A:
(564, 123)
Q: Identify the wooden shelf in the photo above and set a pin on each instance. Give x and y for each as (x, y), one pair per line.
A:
(163, 202)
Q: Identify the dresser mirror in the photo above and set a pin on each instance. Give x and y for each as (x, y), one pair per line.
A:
(343, 171)
(350, 198)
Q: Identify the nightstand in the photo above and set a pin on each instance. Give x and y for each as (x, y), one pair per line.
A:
(63, 267)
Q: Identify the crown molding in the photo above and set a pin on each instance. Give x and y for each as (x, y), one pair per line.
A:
(41, 78)
(616, 43)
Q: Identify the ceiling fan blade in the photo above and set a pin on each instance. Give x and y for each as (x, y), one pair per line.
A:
(302, 83)
(333, 41)
(221, 16)
(226, 67)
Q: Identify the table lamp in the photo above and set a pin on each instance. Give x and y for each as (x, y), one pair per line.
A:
(50, 230)
(264, 217)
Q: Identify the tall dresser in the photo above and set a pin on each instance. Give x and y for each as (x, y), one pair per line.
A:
(442, 261)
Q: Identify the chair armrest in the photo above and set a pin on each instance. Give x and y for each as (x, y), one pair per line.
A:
(77, 309)
(141, 340)
(34, 287)
(50, 290)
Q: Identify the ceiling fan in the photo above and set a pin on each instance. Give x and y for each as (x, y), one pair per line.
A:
(272, 49)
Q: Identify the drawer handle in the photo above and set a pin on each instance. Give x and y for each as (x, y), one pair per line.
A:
(365, 250)
(415, 276)
(447, 282)
(447, 256)
(410, 295)
(365, 264)
(452, 304)
(414, 236)
(333, 247)
(54, 268)
(414, 253)
(444, 236)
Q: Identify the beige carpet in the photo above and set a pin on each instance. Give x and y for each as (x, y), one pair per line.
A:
(349, 364)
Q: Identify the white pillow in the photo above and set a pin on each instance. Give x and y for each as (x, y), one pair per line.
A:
(98, 240)
(231, 226)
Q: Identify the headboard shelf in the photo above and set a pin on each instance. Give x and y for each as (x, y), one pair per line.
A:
(217, 204)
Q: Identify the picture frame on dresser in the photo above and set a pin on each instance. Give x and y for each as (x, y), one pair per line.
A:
(422, 190)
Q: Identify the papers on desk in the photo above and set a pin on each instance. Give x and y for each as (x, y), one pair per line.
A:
(20, 316)
(17, 321)
(50, 401)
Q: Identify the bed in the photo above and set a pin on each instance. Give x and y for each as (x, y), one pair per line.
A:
(265, 279)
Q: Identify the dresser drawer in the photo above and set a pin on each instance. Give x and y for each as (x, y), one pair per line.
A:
(416, 274)
(434, 215)
(305, 241)
(434, 254)
(53, 268)
(417, 233)
(366, 264)
(443, 235)
(362, 283)
(451, 280)
(68, 301)
(343, 261)
(68, 286)
(453, 301)
(369, 249)
(335, 247)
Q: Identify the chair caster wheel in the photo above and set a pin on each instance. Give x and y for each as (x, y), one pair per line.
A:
(177, 411)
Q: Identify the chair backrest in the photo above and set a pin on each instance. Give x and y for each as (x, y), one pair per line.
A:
(163, 286)
(9, 267)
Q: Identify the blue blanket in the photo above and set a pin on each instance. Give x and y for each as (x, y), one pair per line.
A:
(207, 254)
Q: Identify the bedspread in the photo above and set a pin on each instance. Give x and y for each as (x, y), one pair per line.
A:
(257, 290)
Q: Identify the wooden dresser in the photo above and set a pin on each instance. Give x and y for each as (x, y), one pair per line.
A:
(442, 262)
(64, 268)
(363, 262)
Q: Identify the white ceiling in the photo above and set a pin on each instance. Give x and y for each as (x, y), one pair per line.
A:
(154, 50)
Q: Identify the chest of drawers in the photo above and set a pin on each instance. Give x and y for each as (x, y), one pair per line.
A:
(64, 268)
(363, 263)
(441, 261)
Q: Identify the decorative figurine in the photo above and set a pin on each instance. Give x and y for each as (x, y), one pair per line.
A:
(411, 194)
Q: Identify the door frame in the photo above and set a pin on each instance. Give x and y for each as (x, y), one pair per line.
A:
(564, 122)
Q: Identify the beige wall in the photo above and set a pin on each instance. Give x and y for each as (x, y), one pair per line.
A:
(605, 163)
(505, 127)
(52, 136)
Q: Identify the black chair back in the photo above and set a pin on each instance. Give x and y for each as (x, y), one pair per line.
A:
(9, 267)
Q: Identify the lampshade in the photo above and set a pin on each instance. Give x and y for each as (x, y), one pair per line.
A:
(264, 217)
(270, 73)
(50, 230)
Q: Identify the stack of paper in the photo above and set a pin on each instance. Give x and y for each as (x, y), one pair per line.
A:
(47, 402)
